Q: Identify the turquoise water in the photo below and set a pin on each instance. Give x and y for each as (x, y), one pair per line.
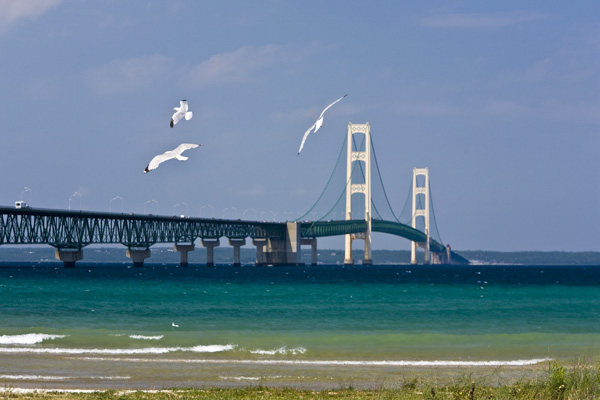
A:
(116, 325)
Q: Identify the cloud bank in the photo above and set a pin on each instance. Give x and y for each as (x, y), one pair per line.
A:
(244, 64)
(12, 11)
(127, 75)
(479, 21)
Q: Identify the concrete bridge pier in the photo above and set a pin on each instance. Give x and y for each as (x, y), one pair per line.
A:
(138, 256)
(184, 249)
(442, 257)
(413, 253)
(69, 257)
(210, 251)
(313, 249)
(237, 244)
(260, 244)
(284, 251)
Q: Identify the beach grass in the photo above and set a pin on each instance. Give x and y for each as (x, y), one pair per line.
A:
(561, 382)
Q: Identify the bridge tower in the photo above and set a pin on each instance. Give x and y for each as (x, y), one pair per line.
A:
(420, 212)
(365, 188)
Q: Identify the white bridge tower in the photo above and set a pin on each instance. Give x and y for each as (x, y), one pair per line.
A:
(420, 212)
(364, 188)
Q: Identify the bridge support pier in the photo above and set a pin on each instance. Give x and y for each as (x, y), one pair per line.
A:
(69, 257)
(313, 249)
(237, 244)
(441, 257)
(284, 251)
(210, 251)
(413, 253)
(184, 249)
(138, 256)
(260, 250)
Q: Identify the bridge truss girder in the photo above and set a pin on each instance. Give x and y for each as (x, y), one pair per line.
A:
(77, 229)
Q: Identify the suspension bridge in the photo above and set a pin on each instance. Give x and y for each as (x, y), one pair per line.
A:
(277, 243)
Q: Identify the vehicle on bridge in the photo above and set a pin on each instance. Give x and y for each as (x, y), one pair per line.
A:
(21, 204)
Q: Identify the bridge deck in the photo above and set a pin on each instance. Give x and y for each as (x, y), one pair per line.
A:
(77, 229)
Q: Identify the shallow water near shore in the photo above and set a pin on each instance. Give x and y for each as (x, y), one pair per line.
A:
(115, 326)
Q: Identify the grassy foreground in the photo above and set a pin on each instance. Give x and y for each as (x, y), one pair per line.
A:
(560, 382)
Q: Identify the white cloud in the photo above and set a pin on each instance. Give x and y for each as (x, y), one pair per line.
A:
(470, 21)
(246, 62)
(241, 65)
(125, 75)
(11, 11)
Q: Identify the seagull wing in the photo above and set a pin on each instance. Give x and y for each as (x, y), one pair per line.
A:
(159, 159)
(185, 146)
(327, 108)
(176, 116)
(304, 137)
(167, 155)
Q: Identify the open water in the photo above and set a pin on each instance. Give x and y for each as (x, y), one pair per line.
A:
(115, 326)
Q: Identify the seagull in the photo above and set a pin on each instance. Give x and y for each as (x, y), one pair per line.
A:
(174, 325)
(180, 112)
(317, 124)
(167, 155)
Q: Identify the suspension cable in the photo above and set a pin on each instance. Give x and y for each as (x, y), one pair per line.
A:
(381, 180)
(439, 237)
(349, 180)
(327, 185)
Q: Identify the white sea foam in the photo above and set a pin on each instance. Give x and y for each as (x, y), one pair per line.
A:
(27, 338)
(142, 337)
(33, 377)
(398, 363)
(149, 350)
(241, 378)
(281, 350)
(215, 348)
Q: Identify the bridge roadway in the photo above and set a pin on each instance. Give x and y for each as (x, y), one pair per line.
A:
(70, 231)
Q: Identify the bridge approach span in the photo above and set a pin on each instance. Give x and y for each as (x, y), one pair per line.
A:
(70, 231)
(77, 229)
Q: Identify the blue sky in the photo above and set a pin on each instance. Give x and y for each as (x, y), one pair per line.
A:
(500, 100)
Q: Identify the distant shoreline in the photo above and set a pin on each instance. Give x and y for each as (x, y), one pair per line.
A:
(223, 256)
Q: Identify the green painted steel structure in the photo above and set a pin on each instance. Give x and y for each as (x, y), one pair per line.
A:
(335, 228)
(77, 229)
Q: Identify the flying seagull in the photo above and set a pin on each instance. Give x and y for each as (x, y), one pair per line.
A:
(167, 155)
(181, 112)
(317, 124)
(174, 325)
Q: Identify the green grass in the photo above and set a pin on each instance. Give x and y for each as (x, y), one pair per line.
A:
(573, 382)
